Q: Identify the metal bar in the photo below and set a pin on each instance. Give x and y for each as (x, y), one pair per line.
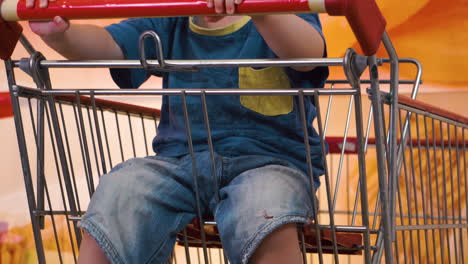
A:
(93, 141)
(98, 134)
(210, 146)
(24, 159)
(436, 174)
(340, 163)
(421, 180)
(136, 64)
(144, 134)
(310, 168)
(195, 176)
(452, 191)
(380, 146)
(403, 240)
(106, 138)
(327, 115)
(429, 173)
(119, 136)
(362, 175)
(131, 135)
(393, 163)
(445, 194)
(57, 159)
(321, 91)
(187, 253)
(82, 147)
(407, 188)
(82, 129)
(429, 227)
(433, 116)
(70, 159)
(457, 155)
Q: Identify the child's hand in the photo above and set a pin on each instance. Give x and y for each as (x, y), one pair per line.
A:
(224, 6)
(42, 3)
(46, 28)
(49, 28)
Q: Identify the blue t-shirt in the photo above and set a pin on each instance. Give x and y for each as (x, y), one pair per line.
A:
(240, 125)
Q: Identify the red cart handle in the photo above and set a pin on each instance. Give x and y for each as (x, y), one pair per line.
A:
(364, 16)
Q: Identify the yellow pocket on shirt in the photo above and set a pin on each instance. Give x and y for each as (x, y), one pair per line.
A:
(266, 78)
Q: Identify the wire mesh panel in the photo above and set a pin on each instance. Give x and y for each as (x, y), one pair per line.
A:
(431, 199)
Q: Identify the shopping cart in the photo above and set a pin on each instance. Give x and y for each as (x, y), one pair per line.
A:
(395, 184)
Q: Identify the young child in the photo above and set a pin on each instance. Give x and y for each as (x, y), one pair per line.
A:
(261, 171)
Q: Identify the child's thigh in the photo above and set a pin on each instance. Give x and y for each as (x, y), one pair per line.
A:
(138, 207)
(257, 202)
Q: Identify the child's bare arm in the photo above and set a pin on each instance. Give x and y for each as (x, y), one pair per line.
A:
(76, 42)
(290, 36)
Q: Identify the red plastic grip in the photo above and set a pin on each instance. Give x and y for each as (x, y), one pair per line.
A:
(81, 9)
(365, 19)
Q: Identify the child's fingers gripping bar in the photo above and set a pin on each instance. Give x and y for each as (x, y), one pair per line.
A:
(364, 16)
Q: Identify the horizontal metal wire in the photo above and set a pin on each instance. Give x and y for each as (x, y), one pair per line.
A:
(136, 64)
(25, 91)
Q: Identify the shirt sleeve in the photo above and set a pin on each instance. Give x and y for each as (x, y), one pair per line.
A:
(315, 78)
(126, 34)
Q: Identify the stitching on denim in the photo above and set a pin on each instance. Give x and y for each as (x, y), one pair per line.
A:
(101, 238)
(254, 241)
(157, 251)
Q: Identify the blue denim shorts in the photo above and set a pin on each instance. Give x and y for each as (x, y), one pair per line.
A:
(141, 204)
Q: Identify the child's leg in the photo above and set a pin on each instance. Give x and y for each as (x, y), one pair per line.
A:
(136, 211)
(90, 252)
(281, 246)
(258, 212)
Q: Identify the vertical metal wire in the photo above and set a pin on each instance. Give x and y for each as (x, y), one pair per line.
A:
(98, 133)
(459, 183)
(452, 191)
(93, 141)
(429, 181)
(55, 149)
(210, 145)
(403, 146)
(382, 172)
(444, 189)
(82, 130)
(310, 170)
(327, 115)
(109, 156)
(84, 160)
(436, 175)
(465, 169)
(195, 175)
(144, 134)
(399, 199)
(415, 193)
(331, 212)
(362, 182)
(70, 159)
(131, 134)
(63, 160)
(366, 141)
(186, 247)
(119, 136)
(343, 149)
(421, 180)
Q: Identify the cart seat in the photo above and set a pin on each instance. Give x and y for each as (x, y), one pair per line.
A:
(347, 243)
